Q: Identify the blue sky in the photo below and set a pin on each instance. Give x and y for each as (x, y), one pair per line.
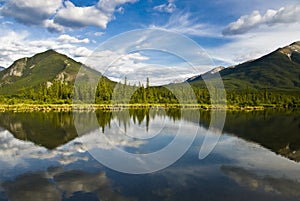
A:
(229, 31)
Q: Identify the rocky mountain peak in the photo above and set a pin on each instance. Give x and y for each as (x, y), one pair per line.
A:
(288, 50)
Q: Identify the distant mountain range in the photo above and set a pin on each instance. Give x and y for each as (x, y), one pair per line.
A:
(1, 68)
(279, 70)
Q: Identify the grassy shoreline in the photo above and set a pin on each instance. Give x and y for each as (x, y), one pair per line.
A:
(110, 107)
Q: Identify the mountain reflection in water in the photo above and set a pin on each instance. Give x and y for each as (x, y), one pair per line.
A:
(43, 158)
(277, 130)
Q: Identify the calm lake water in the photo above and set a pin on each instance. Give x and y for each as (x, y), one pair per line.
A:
(43, 158)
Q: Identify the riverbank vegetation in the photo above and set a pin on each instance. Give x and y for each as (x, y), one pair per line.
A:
(61, 96)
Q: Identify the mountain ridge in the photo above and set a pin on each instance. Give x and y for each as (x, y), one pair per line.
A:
(207, 74)
(278, 70)
(44, 67)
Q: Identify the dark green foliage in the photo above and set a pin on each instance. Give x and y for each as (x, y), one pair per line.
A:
(106, 93)
(274, 71)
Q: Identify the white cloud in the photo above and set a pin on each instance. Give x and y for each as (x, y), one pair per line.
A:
(12, 46)
(158, 74)
(52, 27)
(71, 39)
(16, 45)
(253, 45)
(80, 52)
(30, 12)
(119, 59)
(15, 152)
(98, 33)
(120, 10)
(246, 23)
(13, 149)
(185, 24)
(99, 15)
(134, 57)
(149, 53)
(135, 68)
(109, 6)
(77, 17)
(169, 7)
(253, 156)
(55, 15)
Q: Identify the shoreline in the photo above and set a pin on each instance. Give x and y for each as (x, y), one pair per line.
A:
(116, 107)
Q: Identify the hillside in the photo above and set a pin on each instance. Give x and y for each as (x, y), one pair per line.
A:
(279, 71)
(44, 67)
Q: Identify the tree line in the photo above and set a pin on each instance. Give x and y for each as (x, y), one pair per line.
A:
(107, 92)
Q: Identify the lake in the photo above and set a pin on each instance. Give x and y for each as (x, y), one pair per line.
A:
(55, 155)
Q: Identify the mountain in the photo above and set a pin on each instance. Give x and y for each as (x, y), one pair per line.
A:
(208, 74)
(1, 68)
(279, 70)
(44, 67)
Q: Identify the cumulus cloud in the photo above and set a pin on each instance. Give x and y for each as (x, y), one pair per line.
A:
(77, 17)
(56, 15)
(246, 23)
(105, 58)
(149, 53)
(99, 15)
(11, 44)
(52, 27)
(70, 39)
(169, 7)
(255, 44)
(18, 45)
(82, 52)
(30, 12)
(137, 66)
(110, 5)
(138, 73)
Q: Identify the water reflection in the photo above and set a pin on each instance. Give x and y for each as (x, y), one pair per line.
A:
(43, 158)
(59, 184)
(248, 178)
(277, 130)
(46, 129)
